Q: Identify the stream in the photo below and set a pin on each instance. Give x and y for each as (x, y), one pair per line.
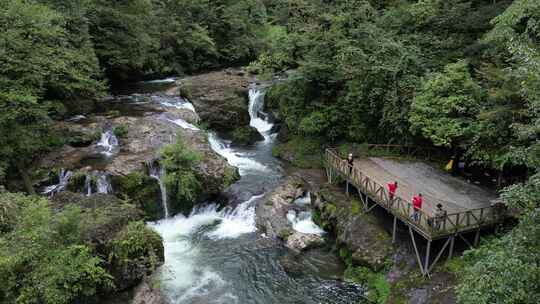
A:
(216, 255)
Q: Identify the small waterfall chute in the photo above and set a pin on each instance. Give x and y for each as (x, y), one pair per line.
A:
(183, 124)
(258, 119)
(174, 102)
(303, 222)
(103, 183)
(158, 173)
(63, 180)
(108, 142)
(88, 184)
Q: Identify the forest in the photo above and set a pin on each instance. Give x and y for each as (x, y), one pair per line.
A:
(462, 76)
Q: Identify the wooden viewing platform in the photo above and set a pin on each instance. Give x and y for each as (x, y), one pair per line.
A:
(468, 207)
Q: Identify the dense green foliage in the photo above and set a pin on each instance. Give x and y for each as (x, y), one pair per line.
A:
(57, 55)
(182, 178)
(462, 75)
(52, 253)
(42, 258)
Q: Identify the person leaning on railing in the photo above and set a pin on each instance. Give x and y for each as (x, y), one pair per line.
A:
(350, 162)
(440, 216)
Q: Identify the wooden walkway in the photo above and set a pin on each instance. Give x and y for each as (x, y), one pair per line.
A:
(472, 212)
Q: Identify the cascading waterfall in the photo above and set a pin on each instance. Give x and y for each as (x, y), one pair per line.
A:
(158, 173)
(63, 180)
(255, 109)
(103, 183)
(213, 255)
(88, 184)
(108, 143)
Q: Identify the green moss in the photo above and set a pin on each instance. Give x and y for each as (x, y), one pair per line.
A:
(141, 190)
(378, 287)
(284, 233)
(230, 176)
(121, 131)
(300, 151)
(330, 209)
(356, 207)
(77, 182)
(186, 90)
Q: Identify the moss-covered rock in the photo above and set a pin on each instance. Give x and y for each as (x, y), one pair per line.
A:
(142, 191)
(135, 252)
(300, 151)
(369, 244)
(245, 135)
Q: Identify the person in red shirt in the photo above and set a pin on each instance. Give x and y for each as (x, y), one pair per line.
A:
(417, 205)
(392, 187)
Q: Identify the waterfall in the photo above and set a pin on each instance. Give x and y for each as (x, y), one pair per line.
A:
(103, 183)
(183, 124)
(88, 184)
(303, 222)
(235, 158)
(63, 180)
(157, 173)
(108, 142)
(174, 102)
(256, 105)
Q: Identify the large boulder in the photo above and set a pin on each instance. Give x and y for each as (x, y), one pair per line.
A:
(112, 228)
(272, 211)
(220, 97)
(299, 241)
(145, 293)
(361, 234)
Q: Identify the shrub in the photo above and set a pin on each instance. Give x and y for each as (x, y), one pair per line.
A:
(121, 131)
(182, 178)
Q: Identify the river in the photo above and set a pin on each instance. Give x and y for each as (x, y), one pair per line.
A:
(217, 255)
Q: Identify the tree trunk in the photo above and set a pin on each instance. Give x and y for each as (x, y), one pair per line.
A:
(26, 179)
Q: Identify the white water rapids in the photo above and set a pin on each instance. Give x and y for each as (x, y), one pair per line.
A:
(213, 255)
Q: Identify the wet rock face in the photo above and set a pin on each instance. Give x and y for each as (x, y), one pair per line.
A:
(301, 241)
(146, 131)
(272, 212)
(146, 294)
(369, 243)
(220, 98)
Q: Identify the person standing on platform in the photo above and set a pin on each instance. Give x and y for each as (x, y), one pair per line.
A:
(440, 215)
(392, 188)
(350, 162)
(417, 205)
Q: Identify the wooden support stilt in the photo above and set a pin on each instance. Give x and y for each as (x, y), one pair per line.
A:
(370, 208)
(426, 264)
(476, 237)
(466, 241)
(439, 254)
(347, 188)
(394, 230)
(452, 240)
(416, 251)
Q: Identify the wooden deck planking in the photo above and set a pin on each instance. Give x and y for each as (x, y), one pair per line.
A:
(436, 186)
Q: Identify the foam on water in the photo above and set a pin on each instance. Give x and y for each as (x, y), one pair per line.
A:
(237, 159)
(181, 277)
(165, 80)
(183, 124)
(174, 102)
(303, 223)
(108, 143)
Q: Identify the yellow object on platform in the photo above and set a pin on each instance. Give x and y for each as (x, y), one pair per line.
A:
(450, 165)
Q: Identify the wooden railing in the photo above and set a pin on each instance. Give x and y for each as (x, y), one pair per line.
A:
(409, 151)
(403, 209)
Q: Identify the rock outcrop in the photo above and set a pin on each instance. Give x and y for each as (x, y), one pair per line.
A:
(369, 244)
(272, 215)
(145, 293)
(272, 212)
(299, 241)
(220, 97)
(112, 228)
